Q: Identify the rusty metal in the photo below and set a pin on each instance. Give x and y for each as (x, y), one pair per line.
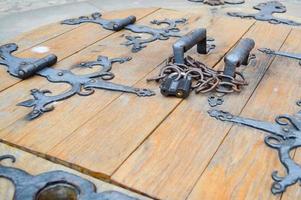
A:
(218, 2)
(83, 85)
(137, 43)
(281, 53)
(204, 79)
(55, 185)
(284, 135)
(266, 11)
(180, 71)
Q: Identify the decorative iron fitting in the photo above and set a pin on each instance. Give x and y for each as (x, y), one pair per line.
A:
(281, 53)
(23, 67)
(266, 11)
(197, 37)
(215, 100)
(54, 185)
(218, 2)
(180, 85)
(83, 85)
(136, 42)
(284, 136)
(235, 58)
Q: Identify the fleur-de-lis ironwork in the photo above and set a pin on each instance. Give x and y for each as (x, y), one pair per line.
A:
(81, 84)
(266, 11)
(284, 135)
(137, 43)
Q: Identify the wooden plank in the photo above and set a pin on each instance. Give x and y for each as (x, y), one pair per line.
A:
(119, 124)
(40, 35)
(242, 166)
(53, 124)
(20, 92)
(168, 164)
(71, 42)
(35, 165)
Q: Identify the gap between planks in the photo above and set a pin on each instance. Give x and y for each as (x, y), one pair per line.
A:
(135, 162)
(65, 150)
(42, 83)
(117, 93)
(234, 125)
(11, 81)
(262, 107)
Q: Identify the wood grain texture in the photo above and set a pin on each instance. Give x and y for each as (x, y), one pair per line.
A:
(170, 161)
(35, 165)
(114, 133)
(9, 112)
(242, 167)
(71, 42)
(53, 125)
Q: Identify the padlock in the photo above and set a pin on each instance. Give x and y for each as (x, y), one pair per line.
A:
(176, 87)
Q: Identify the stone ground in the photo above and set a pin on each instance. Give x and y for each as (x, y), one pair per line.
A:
(18, 16)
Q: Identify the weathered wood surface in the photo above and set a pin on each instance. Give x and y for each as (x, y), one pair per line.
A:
(166, 148)
(73, 40)
(197, 130)
(128, 133)
(36, 165)
(242, 165)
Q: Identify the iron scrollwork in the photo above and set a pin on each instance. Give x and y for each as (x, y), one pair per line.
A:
(284, 136)
(266, 11)
(83, 85)
(218, 2)
(215, 100)
(281, 53)
(137, 43)
(54, 185)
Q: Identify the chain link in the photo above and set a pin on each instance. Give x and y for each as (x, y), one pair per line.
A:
(205, 79)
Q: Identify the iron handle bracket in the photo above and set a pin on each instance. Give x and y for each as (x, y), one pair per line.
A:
(235, 58)
(197, 37)
(122, 23)
(23, 67)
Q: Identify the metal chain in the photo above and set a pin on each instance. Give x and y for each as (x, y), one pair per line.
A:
(205, 79)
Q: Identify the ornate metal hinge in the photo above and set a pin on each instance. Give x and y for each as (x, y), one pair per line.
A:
(54, 185)
(281, 53)
(284, 135)
(137, 42)
(266, 11)
(80, 84)
(218, 2)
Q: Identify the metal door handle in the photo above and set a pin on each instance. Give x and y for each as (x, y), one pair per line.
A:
(238, 56)
(197, 37)
(122, 23)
